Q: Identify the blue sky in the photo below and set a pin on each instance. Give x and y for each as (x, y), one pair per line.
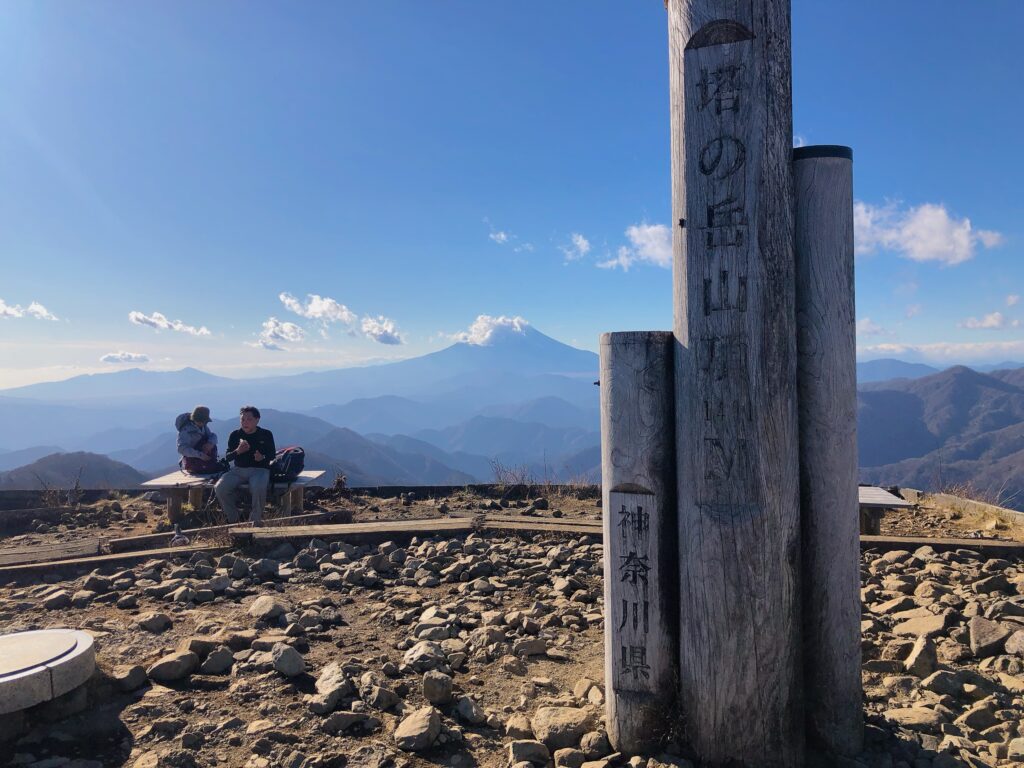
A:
(205, 169)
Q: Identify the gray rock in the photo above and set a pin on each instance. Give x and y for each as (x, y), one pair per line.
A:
(594, 744)
(128, 677)
(923, 659)
(569, 758)
(437, 687)
(424, 656)
(1015, 643)
(915, 718)
(987, 637)
(287, 660)
(469, 711)
(379, 697)
(339, 722)
(922, 625)
(533, 646)
(1016, 748)
(525, 750)
(58, 600)
(217, 662)
(559, 727)
(265, 568)
(518, 727)
(267, 608)
(419, 730)
(174, 666)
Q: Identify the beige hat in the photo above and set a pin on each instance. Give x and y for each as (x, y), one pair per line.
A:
(201, 415)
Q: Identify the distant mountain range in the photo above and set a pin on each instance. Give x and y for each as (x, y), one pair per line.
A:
(958, 426)
(522, 401)
(65, 470)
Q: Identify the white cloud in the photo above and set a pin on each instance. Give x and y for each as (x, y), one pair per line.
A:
(799, 140)
(993, 321)
(124, 357)
(1012, 299)
(382, 330)
(38, 311)
(648, 244)
(275, 333)
(578, 248)
(949, 352)
(867, 327)
(924, 233)
(504, 237)
(484, 329)
(913, 310)
(34, 309)
(161, 323)
(322, 308)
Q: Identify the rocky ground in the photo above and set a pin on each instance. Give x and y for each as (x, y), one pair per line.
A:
(478, 651)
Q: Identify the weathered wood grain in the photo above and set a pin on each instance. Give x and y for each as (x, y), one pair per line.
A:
(827, 389)
(89, 563)
(34, 553)
(736, 411)
(641, 556)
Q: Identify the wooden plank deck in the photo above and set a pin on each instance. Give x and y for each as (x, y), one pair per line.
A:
(33, 553)
(355, 531)
(90, 563)
(538, 526)
(156, 539)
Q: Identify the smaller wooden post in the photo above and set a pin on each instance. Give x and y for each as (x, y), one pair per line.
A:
(195, 497)
(827, 382)
(640, 553)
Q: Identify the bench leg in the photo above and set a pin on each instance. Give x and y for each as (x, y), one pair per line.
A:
(298, 499)
(175, 497)
(286, 503)
(195, 497)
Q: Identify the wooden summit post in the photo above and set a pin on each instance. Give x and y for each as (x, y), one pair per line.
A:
(827, 379)
(735, 384)
(640, 552)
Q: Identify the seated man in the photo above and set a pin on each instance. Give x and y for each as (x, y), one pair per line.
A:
(252, 450)
(197, 445)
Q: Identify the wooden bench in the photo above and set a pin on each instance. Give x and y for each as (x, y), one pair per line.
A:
(873, 502)
(180, 487)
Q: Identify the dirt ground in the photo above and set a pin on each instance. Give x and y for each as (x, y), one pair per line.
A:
(253, 716)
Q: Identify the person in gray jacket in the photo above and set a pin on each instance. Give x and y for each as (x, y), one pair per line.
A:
(197, 445)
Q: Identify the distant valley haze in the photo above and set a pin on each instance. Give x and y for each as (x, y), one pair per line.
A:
(517, 401)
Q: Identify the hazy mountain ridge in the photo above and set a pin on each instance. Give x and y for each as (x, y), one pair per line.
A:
(957, 426)
(523, 401)
(65, 470)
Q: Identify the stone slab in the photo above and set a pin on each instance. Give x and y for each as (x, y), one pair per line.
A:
(39, 666)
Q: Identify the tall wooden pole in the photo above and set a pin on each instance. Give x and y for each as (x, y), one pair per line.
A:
(736, 410)
(827, 376)
(640, 553)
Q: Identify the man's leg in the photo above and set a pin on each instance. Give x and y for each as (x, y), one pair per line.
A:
(259, 484)
(225, 490)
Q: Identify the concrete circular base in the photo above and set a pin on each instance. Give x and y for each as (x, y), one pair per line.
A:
(40, 666)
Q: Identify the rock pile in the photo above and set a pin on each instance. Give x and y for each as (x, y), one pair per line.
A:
(476, 650)
(943, 635)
